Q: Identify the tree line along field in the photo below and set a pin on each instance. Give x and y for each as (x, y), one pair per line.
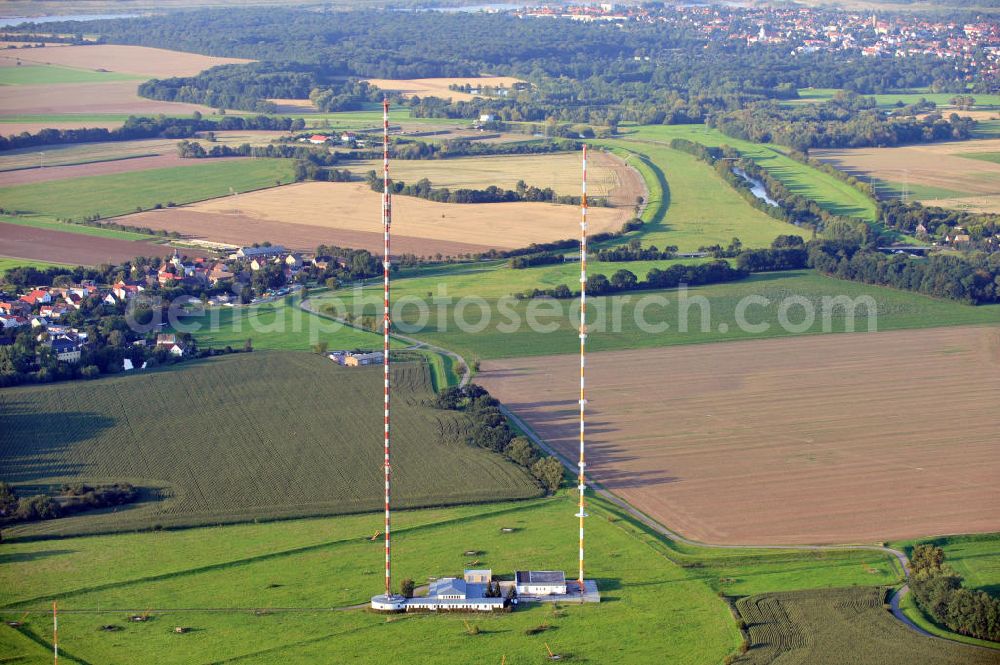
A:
(261, 435)
(347, 214)
(834, 626)
(896, 310)
(560, 171)
(658, 603)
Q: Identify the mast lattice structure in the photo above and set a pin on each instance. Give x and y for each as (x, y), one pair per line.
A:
(581, 479)
(386, 325)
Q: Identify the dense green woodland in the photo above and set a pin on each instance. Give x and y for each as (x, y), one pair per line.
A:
(581, 72)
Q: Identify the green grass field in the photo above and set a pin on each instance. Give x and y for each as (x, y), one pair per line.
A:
(983, 156)
(41, 223)
(121, 193)
(830, 193)
(51, 74)
(8, 263)
(889, 100)
(507, 332)
(252, 436)
(839, 626)
(276, 565)
(279, 326)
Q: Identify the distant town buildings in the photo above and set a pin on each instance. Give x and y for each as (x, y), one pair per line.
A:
(356, 359)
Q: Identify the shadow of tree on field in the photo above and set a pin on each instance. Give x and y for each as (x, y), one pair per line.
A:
(36, 444)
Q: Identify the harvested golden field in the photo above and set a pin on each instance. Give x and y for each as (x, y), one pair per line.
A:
(829, 439)
(138, 60)
(930, 173)
(607, 175)
(237, 229)
(438, 87)
(351, 208)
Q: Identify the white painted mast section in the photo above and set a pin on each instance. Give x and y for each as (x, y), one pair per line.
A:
(386, 325)
(581, 480)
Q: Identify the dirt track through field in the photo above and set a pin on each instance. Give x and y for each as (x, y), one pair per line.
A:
(25, 242)
(826, 439)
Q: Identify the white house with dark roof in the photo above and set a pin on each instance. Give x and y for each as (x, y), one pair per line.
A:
(540, 582)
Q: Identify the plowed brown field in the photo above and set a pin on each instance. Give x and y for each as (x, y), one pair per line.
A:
(827, 439)
(25, 242)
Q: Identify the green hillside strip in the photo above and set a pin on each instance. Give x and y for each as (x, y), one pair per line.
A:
(507, 333)
(261, 435)
(830, 193)
(982, 156)
(122, 193)
(52, 74)
(41, 223)
(698, 207)
(8, 263)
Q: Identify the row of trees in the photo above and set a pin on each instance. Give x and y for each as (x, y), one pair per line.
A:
(973, 278)
(940, 592)
(425, 190)
(625, 280)
(139, 127)
(491, 430)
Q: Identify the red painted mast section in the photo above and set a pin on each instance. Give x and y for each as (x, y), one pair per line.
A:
(386, 325)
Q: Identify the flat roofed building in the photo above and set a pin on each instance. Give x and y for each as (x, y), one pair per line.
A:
(540, 582)
(479, 576)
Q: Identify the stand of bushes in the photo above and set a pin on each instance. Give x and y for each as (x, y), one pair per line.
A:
(940, 593)
(491, 430)
(70, 499)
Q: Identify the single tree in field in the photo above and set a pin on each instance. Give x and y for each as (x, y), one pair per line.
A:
(406, 588)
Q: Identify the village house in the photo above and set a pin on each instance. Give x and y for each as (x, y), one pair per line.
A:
(66, 348)
(37, 297)
(169, 342)
(13, 321)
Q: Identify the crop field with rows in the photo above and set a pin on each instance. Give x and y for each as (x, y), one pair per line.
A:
(252, 436)
(840, 626)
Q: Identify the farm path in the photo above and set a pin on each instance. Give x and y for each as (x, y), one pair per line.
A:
(306, 305)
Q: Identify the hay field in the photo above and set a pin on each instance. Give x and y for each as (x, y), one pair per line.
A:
(267, 434)
(936, 174)
(607, 175)
(137, 60)
(352, 208)
(826, 439)
(438, 87)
